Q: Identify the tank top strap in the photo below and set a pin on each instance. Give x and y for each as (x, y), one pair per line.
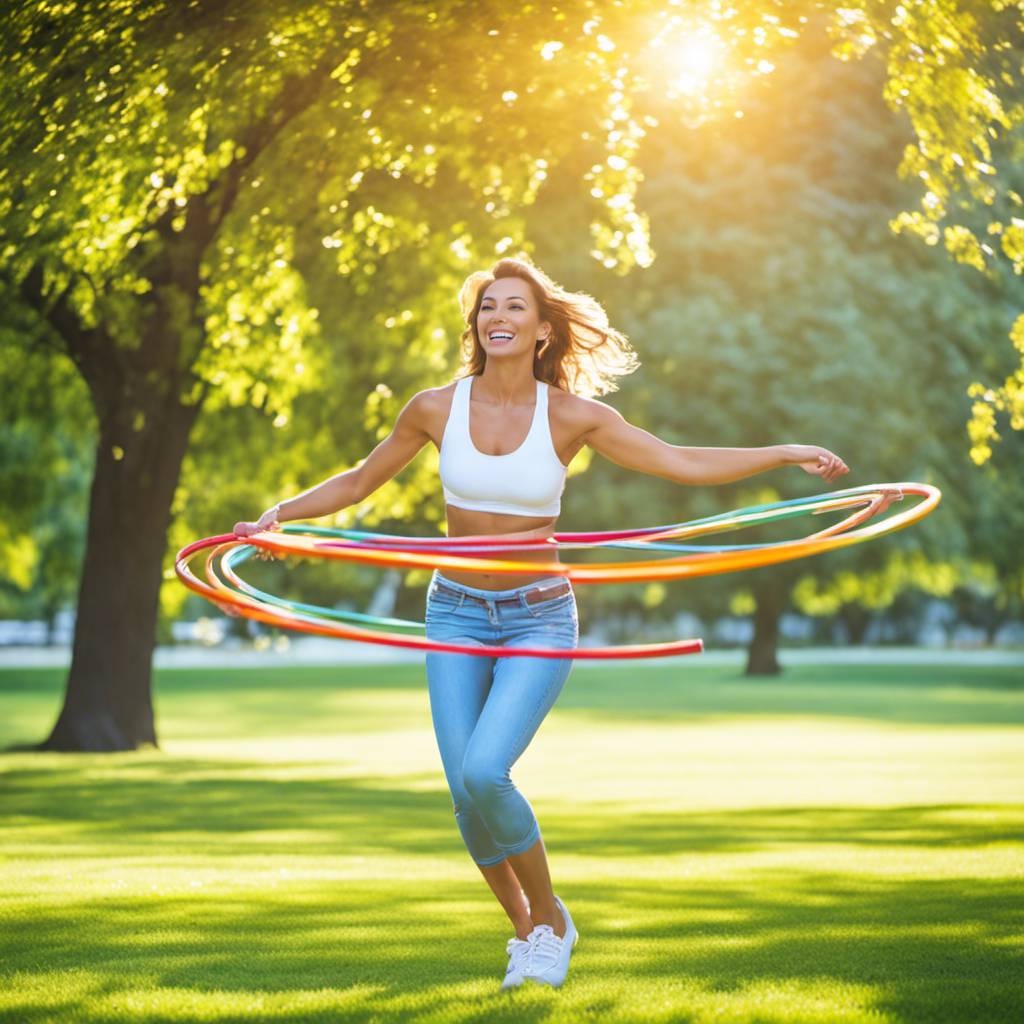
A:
(539, 426)
(460, 405)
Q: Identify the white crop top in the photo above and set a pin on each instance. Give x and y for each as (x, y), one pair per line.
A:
(526, 482)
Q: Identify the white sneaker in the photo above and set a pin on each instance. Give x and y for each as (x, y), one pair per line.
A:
(517, 950)
(518, 955)
(548, 958)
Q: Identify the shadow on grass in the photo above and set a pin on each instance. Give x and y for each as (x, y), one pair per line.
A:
(934, 695)
(274, 701)
(177, 803)
(915, 950)
(401, 948)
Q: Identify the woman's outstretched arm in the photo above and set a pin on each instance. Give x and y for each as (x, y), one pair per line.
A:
(392, 455)
(612, 436)
(389, 458)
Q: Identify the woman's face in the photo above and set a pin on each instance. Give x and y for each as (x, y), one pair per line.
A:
(509, 321)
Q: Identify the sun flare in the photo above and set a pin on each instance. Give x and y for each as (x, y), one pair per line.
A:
(693, 60)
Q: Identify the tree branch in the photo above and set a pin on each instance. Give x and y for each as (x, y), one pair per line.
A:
(84, 345)
(206, 212)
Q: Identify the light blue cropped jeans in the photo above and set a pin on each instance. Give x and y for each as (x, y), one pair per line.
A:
(486, 710)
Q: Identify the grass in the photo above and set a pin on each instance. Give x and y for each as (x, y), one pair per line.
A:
(843, 843)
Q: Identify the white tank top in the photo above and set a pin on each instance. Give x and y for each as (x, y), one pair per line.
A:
(526, 482)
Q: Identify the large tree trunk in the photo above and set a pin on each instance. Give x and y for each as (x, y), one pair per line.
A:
(108, 702)
(762, 655)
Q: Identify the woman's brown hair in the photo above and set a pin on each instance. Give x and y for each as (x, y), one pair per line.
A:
(582, 355)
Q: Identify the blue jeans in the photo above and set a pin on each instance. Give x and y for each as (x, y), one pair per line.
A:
(487, 709)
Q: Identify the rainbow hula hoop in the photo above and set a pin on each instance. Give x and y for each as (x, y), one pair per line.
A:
(237, 597)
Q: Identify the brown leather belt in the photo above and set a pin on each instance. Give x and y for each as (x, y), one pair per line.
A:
(531, 596)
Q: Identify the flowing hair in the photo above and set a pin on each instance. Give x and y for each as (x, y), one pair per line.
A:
(582, 355)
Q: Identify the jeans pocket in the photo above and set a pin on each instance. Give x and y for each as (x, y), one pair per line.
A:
(440, 602)
(554, 608)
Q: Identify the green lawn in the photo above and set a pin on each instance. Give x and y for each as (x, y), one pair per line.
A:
(840, 844)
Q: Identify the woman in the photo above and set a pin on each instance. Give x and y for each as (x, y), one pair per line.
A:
(507, 430)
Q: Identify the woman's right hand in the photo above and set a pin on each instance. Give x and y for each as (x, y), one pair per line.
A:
(817, 461)
(266, 522)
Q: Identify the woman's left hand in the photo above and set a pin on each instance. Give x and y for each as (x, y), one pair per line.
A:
(818, 461)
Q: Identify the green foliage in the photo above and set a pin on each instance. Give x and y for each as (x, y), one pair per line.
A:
(45, 466)
(271, 209)
(954, 67)
(780, 309)
(267, 209)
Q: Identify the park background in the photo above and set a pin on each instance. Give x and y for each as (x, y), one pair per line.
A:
(232, 248)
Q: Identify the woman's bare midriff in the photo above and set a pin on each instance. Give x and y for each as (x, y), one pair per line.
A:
(465, 522)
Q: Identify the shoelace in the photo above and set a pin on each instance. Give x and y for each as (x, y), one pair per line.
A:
(518, 950)
(544, 951)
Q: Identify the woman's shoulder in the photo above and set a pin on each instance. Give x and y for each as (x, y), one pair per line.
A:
(576, 411)
(432, 396)
(431, 406)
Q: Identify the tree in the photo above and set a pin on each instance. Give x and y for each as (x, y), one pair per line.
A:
(955, 67)
(165, 184)
(780, 308)
(153, 223)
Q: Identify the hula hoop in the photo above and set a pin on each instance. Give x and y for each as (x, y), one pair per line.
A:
(435, 552)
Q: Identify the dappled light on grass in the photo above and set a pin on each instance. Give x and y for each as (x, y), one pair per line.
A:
(839, 844)
(768, 947)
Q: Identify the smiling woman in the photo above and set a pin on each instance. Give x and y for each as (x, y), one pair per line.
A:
(566, 333)
(507, 429)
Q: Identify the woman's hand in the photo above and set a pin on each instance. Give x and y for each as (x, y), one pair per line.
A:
(817, 461)
(266, 522)
(889, 495)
